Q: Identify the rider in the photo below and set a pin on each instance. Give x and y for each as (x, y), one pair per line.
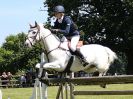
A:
(65, 25)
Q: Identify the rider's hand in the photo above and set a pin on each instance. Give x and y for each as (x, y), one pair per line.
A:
(54, 30)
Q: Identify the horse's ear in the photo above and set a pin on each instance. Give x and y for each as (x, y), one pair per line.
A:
(36, 24)
(30, 25)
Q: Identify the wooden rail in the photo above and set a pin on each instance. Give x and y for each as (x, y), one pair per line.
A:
(118, 92)
(9, 83)
(92, 80)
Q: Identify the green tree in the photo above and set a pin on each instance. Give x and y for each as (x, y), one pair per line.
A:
(16, 57)
(4, 57)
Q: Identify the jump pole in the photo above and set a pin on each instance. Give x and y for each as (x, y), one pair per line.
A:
(40, 89)
(43, 87)
(0, 94)
(71, 87)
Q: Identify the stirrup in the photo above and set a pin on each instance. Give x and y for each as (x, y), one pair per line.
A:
(83, 61)
(84, 64)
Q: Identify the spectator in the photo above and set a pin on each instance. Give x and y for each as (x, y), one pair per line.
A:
(9, 77)
(28, 79)
(4, 78)
(22, 80)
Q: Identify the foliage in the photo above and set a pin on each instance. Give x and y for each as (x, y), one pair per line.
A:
(4, 57)
(16, 57)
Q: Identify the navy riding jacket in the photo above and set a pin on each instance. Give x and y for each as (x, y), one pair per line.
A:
(67, 27)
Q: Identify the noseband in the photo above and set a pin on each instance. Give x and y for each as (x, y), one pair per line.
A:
(32, 37)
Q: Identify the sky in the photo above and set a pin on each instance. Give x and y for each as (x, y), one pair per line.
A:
(15, 16)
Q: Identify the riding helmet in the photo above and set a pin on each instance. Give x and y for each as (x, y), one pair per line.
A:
(59, 9)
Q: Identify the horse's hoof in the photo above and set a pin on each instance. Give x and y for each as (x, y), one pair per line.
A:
(38, 65)
(103, 85)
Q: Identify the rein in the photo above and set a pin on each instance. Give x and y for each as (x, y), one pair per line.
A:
(54, 48)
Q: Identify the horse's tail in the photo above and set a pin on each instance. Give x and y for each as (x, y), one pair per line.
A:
(111, 55)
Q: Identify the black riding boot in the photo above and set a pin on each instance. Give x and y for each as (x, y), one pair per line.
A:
(77, 53)
(73, 53)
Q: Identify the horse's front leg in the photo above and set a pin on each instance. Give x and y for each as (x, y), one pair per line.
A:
(52, 65)
(56, 65)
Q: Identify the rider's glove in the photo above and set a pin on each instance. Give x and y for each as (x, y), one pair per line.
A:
(54, 30)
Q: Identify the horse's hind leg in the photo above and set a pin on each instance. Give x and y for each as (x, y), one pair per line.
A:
(100, 75)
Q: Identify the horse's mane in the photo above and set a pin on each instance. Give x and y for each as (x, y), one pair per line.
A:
(55, 35)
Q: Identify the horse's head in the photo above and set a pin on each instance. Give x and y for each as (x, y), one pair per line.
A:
(35, 34)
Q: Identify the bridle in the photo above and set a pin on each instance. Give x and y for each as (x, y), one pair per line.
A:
(32, 37)
(40, 38)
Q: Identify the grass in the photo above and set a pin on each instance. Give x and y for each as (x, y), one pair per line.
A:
(16, 93)
(25, 93)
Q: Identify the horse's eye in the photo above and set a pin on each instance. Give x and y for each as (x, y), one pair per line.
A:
(34, 32)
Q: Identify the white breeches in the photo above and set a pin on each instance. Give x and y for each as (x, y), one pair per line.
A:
(74, 42)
